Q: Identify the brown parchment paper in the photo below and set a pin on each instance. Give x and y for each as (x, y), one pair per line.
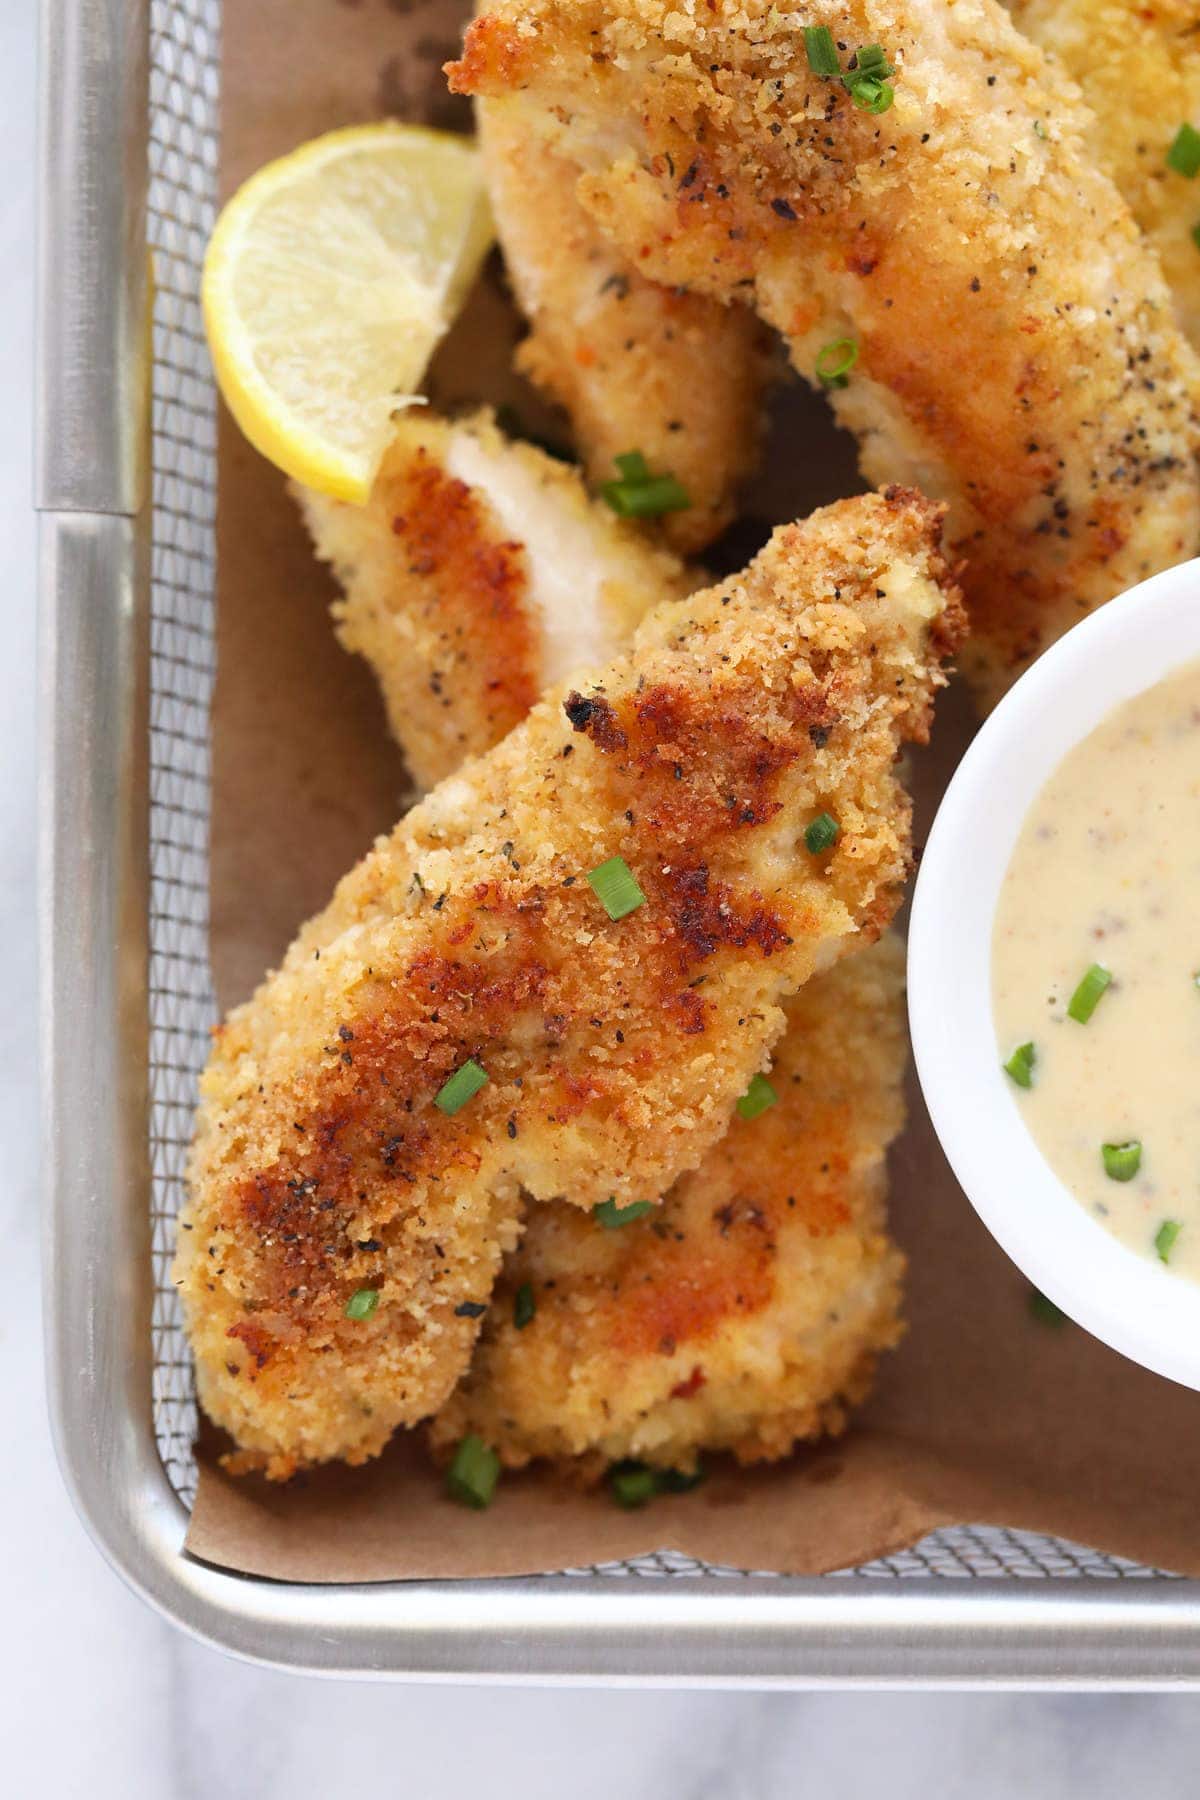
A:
(983, 1415)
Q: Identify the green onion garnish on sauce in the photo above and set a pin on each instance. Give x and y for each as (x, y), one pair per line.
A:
(614, 887)
(472, 1476)
(1122, 1161)
(1164, 1238)
(835, 361)
(1045, 1311)
(821, 834)
(1184, 155)
(362, 1304)
(1082, 1003)
(610, 1215)
(1020, 1065)
(453, 1095)
(757, 1097)
(524, 1305)
(1196, 236)
(821, 50)
(639, 494)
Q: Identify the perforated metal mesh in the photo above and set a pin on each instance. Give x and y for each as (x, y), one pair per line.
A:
(964, 1552)
(183, 168)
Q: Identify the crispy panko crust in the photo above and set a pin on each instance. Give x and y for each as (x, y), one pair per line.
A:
(788, 1304)
(615, 1050)
(1017, 352)
(748, 1311)
(635, 366)
(478, 574)
(1138, 63)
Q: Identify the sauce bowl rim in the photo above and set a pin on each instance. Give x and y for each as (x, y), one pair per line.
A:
(1128, 1301)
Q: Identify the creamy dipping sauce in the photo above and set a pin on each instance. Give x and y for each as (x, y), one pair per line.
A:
(1105, 878)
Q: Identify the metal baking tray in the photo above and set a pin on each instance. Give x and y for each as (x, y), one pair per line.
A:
(126, 489)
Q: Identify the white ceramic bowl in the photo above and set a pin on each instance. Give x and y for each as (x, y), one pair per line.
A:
(1128, 1301)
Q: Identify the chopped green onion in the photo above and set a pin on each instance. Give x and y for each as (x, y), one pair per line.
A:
(472, 1476)
(641, 495)
(835, 362)
(615, 888)
(821, 833)
(757, 1097)
(1039, 130)
(453, 1095)
(1122, 1161)
(870, 94)
(633, 466)
(1020, 1065)
(362, 1304)
(821, 50)
(1196, 236)
(867, 81)
(1045, 1311)
(871, 60)
(610, 1215)
(632, 1484)
(1164, 1238)
(1184, 155)
(1083, 1001)
(524, 1305)
(647, 499)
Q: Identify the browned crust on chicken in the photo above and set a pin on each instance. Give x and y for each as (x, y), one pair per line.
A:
(614, 1050)
(1017, 356)
(748, 1312)
(635, 365)
(440, 591)
(1138, 64)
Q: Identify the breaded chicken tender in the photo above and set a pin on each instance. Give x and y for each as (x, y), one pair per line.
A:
(347, 1209)
(635, 365)
(747, 1312)
(479, 574)
(1138, 63)
(959, 261)
(825, 1297)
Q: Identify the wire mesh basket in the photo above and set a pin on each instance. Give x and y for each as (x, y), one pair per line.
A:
(129, 657)
(184, 45)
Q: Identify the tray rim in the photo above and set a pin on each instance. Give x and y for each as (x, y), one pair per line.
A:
(92, 468)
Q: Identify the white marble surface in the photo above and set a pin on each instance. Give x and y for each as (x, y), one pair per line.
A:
(98, 1697)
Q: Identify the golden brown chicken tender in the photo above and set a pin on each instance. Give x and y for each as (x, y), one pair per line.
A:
(1138, 63)
(747, 1312)
(815, 1284)
(959, 261)
(479, 574)
(635, 365)
(345, 1222)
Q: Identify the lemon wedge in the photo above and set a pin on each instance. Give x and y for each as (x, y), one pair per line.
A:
(329, 280)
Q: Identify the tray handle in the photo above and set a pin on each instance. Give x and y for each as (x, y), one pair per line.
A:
(92, 383)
